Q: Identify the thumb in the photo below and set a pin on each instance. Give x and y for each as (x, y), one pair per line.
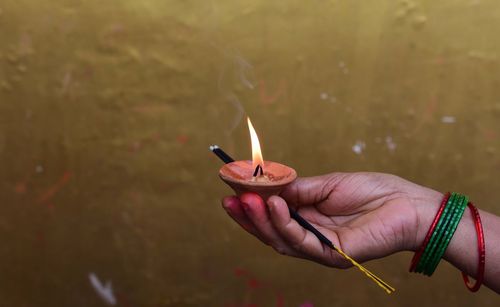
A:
(307, 191)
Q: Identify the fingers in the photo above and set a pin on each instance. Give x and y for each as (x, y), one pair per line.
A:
(273, 225)
(300, 239)
(257, 212)
(252, 216)
(233, 207)
(310, 190)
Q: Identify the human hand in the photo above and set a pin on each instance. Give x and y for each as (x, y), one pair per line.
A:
(367, 215)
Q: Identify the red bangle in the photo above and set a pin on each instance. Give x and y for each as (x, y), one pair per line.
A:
(481, 248)
(418, 254)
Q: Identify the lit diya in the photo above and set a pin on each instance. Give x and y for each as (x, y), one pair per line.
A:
(265, 178)
(268, 178)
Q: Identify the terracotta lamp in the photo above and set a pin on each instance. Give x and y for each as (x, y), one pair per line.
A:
(265, 178)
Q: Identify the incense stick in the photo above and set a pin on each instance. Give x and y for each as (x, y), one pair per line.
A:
(221, 154)
(304, 223)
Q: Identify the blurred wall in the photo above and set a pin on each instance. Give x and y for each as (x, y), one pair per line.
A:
(109, 194)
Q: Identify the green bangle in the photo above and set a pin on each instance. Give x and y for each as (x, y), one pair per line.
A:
(457, 216)
(429, 249)
(450, 231)
(430, 246)
(441, 233)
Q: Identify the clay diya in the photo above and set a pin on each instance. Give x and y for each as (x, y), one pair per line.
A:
(265, 178)
(275, 176)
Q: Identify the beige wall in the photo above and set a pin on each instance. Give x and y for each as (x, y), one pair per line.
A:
(107, 109)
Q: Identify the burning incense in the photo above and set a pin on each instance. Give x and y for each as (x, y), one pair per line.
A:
(221, 154)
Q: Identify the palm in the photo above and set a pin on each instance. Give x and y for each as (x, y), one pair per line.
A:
(360, 214)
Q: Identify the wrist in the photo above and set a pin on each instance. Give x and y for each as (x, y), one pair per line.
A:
(425, 206)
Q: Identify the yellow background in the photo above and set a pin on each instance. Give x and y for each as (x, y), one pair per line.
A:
(107, 109)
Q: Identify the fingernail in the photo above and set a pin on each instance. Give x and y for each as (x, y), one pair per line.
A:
(270, 205)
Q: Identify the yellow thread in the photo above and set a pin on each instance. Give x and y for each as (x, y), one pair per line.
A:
(374, 277)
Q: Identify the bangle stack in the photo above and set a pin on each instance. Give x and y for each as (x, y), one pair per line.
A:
(427, 258)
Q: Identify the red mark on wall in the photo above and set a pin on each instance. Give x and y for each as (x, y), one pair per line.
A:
(240, 272)
(280, 92)
(182, 139)
(122, 299)
(280, 300)
(430, 109)
(440, 60)
(254, 285)
(20, 187)
(136, 197)
(427, 114)
(50, 192)
(489, 134)
(135, 146)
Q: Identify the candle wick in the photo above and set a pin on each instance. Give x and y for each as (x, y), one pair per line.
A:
(257, 170)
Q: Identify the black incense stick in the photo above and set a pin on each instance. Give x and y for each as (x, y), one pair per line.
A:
(302, 222)
(221, 154)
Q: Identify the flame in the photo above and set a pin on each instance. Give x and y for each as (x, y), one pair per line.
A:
(256, 152)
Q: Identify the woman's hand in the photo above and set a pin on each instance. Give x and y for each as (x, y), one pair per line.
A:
(368, 215)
